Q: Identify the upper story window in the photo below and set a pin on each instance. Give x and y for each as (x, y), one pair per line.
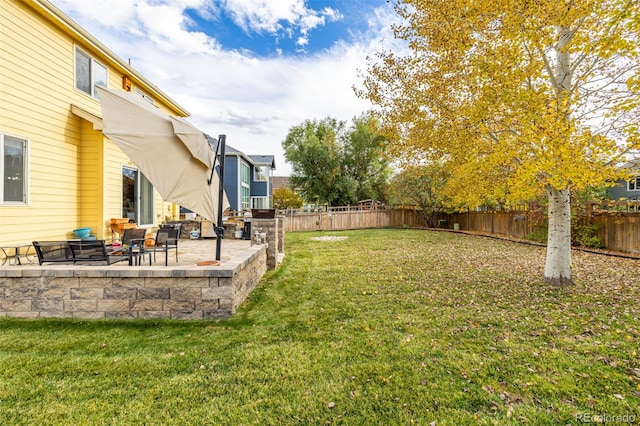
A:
(89, 73)
(13, 170)
(634, 184)
(145, 96)
(261, 173)
(244, 174)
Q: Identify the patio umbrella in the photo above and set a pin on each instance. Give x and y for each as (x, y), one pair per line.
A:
(178, 170)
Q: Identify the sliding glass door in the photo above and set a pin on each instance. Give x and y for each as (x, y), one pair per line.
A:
(137, 196)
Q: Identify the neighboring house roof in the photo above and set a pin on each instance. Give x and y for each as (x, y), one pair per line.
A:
(256, 160)
(264, 160)
(232, 151)
(280, 182)
(66, 24)
(213, 141)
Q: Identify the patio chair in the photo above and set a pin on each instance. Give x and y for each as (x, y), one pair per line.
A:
(166, 239)
(132, 245)
(93, 251)
(53, 252)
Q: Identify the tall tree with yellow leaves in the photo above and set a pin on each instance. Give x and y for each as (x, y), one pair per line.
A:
(522, 97)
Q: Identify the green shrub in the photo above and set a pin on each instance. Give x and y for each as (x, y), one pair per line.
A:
(581, 235)
(539, 233)
(585, 236)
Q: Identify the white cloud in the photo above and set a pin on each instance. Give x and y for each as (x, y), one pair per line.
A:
(167, 26)
(265, 15)
(254, 101)
(309, 22)
(163, 23)
(276, 16)
(332, 14)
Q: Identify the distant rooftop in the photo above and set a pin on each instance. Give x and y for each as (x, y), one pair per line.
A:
(280, 182)
(263, 160)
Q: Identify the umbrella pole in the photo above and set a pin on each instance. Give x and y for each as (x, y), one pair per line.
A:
(220, 228)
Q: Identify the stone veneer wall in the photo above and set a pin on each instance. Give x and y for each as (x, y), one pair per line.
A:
(275, 238)
(280, 227)
(127, 292)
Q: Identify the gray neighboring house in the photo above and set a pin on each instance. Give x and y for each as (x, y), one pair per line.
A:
(627, 189)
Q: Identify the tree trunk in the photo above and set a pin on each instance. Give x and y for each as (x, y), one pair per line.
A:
(558, 265)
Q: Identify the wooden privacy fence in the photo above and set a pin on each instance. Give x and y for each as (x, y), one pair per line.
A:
(516, 224)
(618, 231)
(337, 220)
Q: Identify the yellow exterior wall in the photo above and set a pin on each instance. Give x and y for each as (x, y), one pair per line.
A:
(91, 178)
(74, 173)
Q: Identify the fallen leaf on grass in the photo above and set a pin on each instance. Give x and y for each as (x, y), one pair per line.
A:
(510, 411)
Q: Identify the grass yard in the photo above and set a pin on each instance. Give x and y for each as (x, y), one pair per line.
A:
(385, 327)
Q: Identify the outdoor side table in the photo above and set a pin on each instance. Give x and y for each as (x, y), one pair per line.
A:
(133, 253)
(15, 255)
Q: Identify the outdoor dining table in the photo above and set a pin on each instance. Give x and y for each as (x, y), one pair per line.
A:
(16, 254)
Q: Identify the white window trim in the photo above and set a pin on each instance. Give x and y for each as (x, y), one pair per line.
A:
(137, 202)
(265, 198)
(27, 170)
(75, 70)
(247, 166)
(633, 182)
(255, 173)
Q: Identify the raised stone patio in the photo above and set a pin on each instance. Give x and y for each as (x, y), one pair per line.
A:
(181, 290)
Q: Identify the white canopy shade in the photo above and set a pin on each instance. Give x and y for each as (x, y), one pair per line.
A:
(175, 156)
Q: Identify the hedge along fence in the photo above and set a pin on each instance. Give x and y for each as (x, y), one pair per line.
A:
(617, 231)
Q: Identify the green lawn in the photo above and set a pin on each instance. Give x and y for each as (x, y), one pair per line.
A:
(385, 327)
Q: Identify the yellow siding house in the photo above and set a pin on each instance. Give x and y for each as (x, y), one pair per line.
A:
(57, 171)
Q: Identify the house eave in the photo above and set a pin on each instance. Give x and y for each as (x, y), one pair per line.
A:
(86, 115)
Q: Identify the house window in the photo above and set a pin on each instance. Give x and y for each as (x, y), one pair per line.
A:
(89, 73)
(13, 170)
(245, 191)
(261, 173)
(145, 96)
(634, 184)
(259, 202)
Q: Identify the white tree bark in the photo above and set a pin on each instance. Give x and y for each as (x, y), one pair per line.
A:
(557, 268)
(558, 265)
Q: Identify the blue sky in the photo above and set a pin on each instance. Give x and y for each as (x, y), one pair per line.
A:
(315, 26)
(250, 69)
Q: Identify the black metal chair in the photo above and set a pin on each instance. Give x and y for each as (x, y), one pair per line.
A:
(93, 251)
(53, 252)
(166, 239)
(132, 245)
